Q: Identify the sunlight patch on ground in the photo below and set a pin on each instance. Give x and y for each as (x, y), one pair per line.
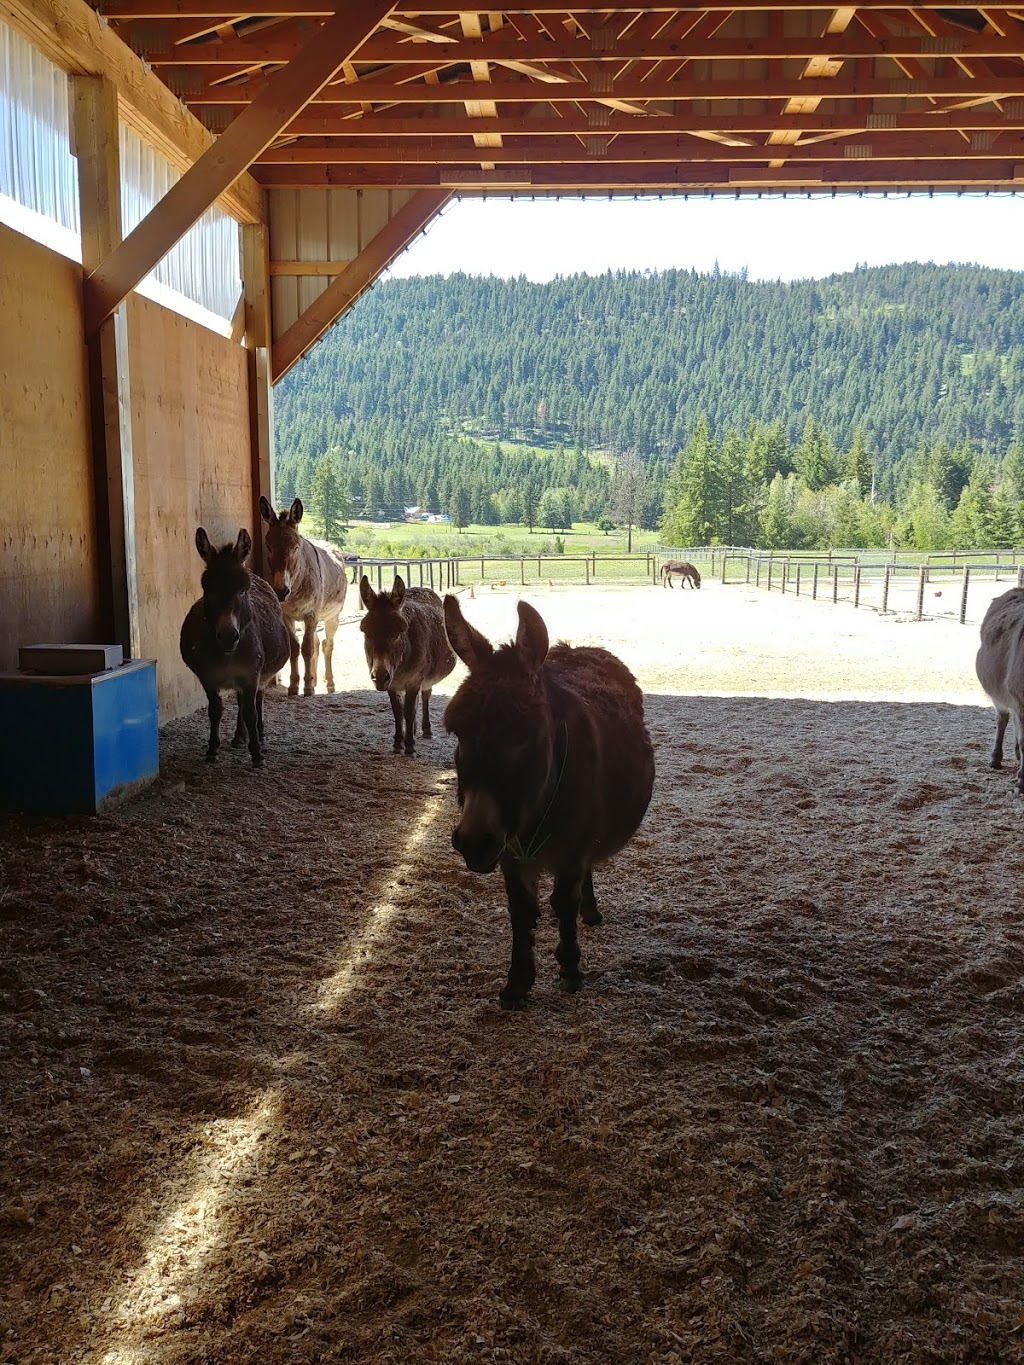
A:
(197, 1219)
(156, 1295)
(334, 990)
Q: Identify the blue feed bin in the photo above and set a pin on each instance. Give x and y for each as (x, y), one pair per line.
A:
(74, 743)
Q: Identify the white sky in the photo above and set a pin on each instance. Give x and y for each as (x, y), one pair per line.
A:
(774, 238)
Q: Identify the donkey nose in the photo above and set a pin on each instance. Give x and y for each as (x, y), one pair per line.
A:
(227, 638)
(381, 677)
(282, 593)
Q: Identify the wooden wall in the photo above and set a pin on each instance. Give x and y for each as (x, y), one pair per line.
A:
(190, 428)
(190, 432)
(48, 567)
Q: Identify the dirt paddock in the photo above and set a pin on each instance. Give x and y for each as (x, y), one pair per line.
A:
(259, 1103)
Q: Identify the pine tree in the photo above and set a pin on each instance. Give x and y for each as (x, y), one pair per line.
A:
(328, 499)
(694, 518)
(458, 508)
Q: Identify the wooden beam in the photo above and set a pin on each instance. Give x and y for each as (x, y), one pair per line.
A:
(68, 34)
(605, 177)
(547, 151)
(632, 87)
(309, 268)
(410, 130)
(240, 50)
(204, 9)
(256, 300)
(375, 257)
(233, 152)
(94, 130)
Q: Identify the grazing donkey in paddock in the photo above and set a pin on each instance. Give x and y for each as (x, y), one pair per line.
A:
(310, 579)
(685, 570)
(555, 771)
(406, 650)
(1000, 668)
(234, 638)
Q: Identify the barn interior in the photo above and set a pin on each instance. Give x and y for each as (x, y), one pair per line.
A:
(148, 131)
(190, 197)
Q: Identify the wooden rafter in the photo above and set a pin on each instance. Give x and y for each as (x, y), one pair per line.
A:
(232, 154)
(357, 277)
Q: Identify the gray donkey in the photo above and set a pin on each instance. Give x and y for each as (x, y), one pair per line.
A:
(234, 639)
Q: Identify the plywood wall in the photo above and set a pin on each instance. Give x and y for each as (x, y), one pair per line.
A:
(48, 565)
(190, 432)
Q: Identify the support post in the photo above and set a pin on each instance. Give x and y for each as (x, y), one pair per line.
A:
(94, 135)
(963, 594)
(856, 586)
(814, 583)
(256, 305)
(885, 588)
(835, 581)
(922, 579)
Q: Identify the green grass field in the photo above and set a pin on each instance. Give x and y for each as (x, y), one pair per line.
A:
(425, 540)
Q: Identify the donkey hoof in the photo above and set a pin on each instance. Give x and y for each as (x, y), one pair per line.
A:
(571, 984)
(410, 751)
(330, 687)
(239, 741)
(592, 916)
(293, 691)
(308, 690)
(511, 1002)
(211, 755)
(428, 734)
(257, 760)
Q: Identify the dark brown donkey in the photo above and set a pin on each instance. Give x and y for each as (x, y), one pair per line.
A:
(555, 770)
(406, 650)
(234, 639)
(309, 579)
(685, 571)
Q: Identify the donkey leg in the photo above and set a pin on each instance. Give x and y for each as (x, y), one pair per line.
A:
(396, 708)
(309, 653)
(241, 733)
(427, 732)
(247, 702)
(216, 708)
(524, 912)
(330, 628)
(1002, 719)
(565, 902)
(589, 912)
(1018, 731)
(259, 716)
(411, 693)
(293, 656)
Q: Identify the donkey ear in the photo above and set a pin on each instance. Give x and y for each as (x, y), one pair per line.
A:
(242, 546)
(472, 648)
(532, 637)
(366, 594)
(398, 591)
(267, 512)
(295, 512)
(203, 544)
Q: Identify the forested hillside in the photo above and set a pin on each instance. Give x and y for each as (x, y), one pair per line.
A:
(479, 396)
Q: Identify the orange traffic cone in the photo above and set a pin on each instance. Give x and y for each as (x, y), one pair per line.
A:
(550, 584)
(471, 592)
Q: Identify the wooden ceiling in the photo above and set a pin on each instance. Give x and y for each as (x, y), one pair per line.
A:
(647, 98)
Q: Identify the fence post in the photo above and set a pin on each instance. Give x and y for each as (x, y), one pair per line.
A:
(380, 573)
(770, 566)
(586, 569)
(481, 568)
(430, 570)
(712, 563)
(922, 579)
(814, 583)
(798, 568)
(1020, 576)
(835, 581)
(856, 586)
(885, 589)
(785, 574)
(747, 579)
(522, 570)
(724, 560)
(963, 594)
